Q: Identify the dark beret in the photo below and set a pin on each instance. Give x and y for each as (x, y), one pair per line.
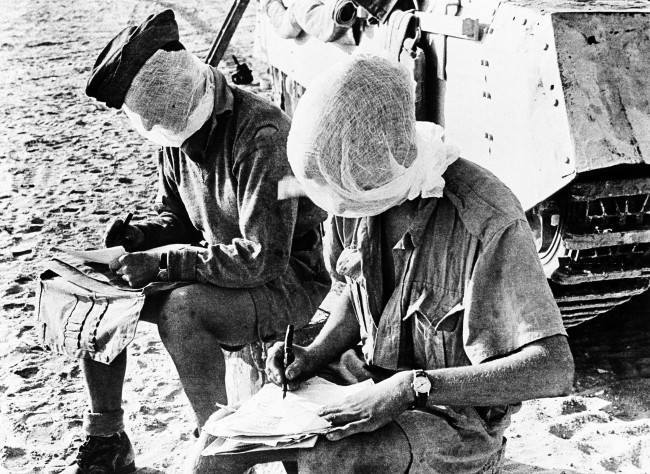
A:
(124, 56)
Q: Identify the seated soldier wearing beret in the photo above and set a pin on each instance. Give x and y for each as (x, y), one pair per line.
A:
(260, 266)
(446, 305)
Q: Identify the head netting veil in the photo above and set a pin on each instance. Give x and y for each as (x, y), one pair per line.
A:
(354, 143)
(173, 90)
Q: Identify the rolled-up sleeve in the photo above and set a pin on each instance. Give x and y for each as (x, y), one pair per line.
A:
(266, 224)
(332, 247)
(508, 303)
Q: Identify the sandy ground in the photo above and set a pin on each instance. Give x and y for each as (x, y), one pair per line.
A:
(68, 166)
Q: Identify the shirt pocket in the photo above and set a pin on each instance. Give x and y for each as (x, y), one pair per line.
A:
(435, 318)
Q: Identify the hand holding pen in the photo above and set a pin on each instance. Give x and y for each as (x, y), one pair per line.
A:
(121, 232)
(289, 368)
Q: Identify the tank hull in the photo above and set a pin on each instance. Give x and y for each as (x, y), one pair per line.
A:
(552, 97)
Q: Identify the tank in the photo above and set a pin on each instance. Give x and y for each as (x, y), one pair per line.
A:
(551, 96)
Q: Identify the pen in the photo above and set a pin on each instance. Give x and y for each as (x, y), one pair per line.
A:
(288, 356)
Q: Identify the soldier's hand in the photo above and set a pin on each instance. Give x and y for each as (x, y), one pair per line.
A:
(370, 409)
(129, 236)
(137, 268)
(300, 369)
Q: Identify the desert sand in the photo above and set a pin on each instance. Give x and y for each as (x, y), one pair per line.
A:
(68, 166)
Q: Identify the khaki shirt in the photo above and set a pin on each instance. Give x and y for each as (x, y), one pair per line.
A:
(469, 287)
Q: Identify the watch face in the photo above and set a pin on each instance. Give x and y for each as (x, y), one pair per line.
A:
(422, 384)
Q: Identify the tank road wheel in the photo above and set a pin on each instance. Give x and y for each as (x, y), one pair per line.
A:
(547, 220)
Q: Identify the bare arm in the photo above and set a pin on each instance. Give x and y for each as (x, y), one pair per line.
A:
(543, 368)
(341, 332)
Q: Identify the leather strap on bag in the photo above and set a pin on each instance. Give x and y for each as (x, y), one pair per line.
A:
(77, 277)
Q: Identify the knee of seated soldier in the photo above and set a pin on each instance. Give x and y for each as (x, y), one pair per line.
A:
(180, 313)
(183, 302)
(203, 306)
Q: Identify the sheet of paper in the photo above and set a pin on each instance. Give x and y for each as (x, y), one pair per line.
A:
(233, 446)
(269, 440)
(268, 414)
(106, 255)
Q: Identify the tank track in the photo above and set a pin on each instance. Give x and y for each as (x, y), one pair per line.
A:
(606, 243)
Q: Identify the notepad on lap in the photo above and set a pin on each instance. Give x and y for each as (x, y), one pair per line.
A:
(267, 421)
(105, 256)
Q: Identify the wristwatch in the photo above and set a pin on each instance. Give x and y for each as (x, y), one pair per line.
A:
(421, 387)
(163, 274)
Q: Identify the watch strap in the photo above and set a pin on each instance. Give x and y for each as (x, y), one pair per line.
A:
(420, 397)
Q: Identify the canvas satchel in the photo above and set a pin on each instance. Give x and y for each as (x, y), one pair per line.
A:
(85, 317)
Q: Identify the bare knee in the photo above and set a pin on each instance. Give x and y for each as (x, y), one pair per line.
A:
(229, 315)
(177, 318)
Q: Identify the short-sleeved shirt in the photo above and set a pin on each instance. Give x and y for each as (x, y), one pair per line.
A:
(468, 287)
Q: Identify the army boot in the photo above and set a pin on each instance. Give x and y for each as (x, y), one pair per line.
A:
(104, 455)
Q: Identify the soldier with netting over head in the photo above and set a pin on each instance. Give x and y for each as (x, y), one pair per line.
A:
(446, 305)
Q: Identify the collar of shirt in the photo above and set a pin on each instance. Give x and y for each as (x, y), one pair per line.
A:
(195, 147)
